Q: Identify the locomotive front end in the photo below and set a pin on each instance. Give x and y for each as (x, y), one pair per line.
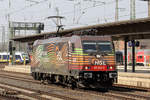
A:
(101, 67)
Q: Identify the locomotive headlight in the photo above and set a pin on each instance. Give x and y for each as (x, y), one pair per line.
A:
(111, 67)
(86, 67)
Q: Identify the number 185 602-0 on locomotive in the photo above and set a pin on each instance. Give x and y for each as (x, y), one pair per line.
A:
(87, 61)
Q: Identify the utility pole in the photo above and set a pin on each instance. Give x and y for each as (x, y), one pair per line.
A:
(116, 11)
(12, 57)
(3, 38)
(132, 10)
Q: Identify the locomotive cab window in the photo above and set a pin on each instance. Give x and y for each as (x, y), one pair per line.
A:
(89, 47)
(97, 46)
(104, 46)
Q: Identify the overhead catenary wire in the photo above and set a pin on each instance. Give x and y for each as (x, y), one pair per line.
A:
(19, 10)
(89, 7)
(60, 13)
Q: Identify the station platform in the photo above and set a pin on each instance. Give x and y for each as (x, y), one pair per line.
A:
(134, 79)
(18, 68)
(138, 69)
(126, 78)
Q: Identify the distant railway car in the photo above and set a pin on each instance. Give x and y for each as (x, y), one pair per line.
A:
(87, 61)
(143, 57)
(19, 57)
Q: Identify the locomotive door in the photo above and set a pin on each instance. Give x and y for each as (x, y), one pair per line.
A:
(71, 47)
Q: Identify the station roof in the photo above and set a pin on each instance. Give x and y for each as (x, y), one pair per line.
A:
(131, 29)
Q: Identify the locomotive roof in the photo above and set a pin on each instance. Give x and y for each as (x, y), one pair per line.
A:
(65, 39)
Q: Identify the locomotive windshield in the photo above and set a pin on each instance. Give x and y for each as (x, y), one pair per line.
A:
(104, 46)
(89, 47)
(97, 46)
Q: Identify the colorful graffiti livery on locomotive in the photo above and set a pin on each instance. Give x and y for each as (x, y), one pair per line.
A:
(88, 60)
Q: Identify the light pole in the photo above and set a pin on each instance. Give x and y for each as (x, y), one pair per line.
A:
(116, 11)
(132, 10)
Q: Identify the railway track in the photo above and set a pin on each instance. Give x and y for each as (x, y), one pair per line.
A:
(31, 94)
(16, 93)
(123, 94)
(132, 87)
(117, 92)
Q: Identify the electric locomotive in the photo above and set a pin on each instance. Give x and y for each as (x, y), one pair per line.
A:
(86, 61)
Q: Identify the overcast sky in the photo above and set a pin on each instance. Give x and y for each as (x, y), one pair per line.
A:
(76, 12)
